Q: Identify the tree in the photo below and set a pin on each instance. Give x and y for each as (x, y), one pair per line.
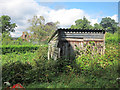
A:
(6, 38)
(40, 30)
(82, 24)
(5, 28)
(50, 27)
(97, 26)
(6, 25)
(37, 27)
(109, 24)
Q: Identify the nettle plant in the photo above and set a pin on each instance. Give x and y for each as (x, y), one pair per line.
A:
(88, 48)
(89, 60)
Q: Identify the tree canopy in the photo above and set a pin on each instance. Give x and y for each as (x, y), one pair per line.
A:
(97, 26)
(82, 24)
(41, 30)
(109, 24)
(106, 23)
(5, 28)
(6, 25)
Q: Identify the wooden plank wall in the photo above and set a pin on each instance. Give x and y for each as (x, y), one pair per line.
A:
(64, 44)
(69, 48)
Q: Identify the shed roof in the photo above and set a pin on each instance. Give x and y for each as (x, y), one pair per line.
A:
(78, 30)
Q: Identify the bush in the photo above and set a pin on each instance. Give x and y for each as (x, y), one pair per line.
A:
(19, 48)
(111, 38)
(9, 71)
(37, 69)
(101, 66)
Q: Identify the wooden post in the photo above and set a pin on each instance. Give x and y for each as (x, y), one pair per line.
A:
(104, 44)
(58, 52)
(48, 53)
(66, 50)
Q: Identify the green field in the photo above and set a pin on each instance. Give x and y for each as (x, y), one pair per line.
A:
(83, 72)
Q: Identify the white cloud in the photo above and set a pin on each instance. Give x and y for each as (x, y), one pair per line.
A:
(65, 17)
(115, 17)
(22, 10)
(93, 21)
(19, 11)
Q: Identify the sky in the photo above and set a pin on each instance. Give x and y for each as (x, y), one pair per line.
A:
(64, 12)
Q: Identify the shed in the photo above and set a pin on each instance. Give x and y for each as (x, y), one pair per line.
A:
(64, 42)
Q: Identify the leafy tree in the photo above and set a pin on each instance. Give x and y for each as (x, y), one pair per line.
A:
(40, 30)
(97, 26)
(6, 38)
(82, 24)
(37, 27)
(5, 28)
(6, 25)
(50, 27)
(109, 24)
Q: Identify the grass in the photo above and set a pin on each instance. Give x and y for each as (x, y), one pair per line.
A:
(81, 81)
(60, 82)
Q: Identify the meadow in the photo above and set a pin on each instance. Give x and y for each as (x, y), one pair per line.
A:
(84, 72)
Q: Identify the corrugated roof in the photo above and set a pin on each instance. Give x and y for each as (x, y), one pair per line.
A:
(78, 30)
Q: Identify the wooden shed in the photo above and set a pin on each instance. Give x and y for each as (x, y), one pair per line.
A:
(64, 42)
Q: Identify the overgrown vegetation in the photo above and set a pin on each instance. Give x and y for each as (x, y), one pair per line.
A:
(112, 38)
(30, 62)
(85, 71)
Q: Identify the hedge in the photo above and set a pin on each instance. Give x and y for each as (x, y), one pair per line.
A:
(19, 48)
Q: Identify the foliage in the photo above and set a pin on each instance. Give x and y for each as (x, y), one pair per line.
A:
(97, 26)
(110, 24)
(104, 67)
(98, 66)
(77, 81)
(82, 24)
(19, 48)
(15, 41)
(112, 38)
(50, 28)
(6, 38)
(6, 25)
(32, 66)
(41, 31)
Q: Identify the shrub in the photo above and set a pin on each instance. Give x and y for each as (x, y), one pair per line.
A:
(19, 48)
(101, 66)
(37, 69)
(111, 38)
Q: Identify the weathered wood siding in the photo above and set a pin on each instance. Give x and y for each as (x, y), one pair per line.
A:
(53, 49)
(64, 42)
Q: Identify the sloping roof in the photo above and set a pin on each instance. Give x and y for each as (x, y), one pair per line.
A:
(78, 30)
